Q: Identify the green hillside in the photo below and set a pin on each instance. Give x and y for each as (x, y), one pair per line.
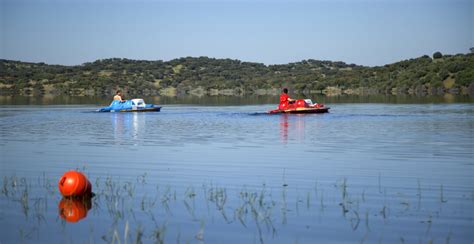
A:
(208, 76)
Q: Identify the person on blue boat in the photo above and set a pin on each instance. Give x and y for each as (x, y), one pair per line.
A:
(118, 96)
(285, 99)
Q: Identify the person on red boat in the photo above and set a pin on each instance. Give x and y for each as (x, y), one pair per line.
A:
(285, 99)
(284, 96)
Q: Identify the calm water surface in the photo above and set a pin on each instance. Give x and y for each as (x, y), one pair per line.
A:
(365, 172)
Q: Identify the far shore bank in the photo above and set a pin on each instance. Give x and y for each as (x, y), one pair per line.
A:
(224, 100)
(203, 76)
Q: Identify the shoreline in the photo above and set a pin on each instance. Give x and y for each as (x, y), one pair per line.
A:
(239, 92)
(222, 100)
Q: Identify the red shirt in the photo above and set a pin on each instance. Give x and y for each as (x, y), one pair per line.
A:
(284, 97)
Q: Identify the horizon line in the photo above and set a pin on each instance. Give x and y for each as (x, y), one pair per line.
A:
(220, 58)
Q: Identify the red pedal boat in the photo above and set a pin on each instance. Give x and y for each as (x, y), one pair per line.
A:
(301, 106)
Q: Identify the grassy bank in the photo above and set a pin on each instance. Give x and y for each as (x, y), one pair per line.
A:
(452, 74)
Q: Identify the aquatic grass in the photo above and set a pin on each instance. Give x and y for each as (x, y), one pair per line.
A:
(284, 179)
(113, 199)
(142, 178)
(441, 192)
(239, 212)
(344, 189)
(418, 194)
(40, 208)
(308, 200)
(355, 221)
(165, 200)
(178, 236)
(346, 202)
(218, 196)
(448, 238)
(129, 188)
(284, 206)
(125, 232)
(380, 183)
(297, 204)
(97, 182)
(383, 212)
(344, 208)
(11, 186)
(115, 237)
(365, 236)
(367, 220)
(205, 193)
(200, 234)
(132, 203)
(259, 205)
(5, 186)
(418, 189)
(158, 233)
(316, 188)
(159, 230)
(406, 205)
(142, 203)
(428, 226)
(190, 192)
(24, 200)
(190, 209)
(321, 201)
(27, 235)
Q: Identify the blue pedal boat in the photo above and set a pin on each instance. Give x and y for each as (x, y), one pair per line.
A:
(133, 105)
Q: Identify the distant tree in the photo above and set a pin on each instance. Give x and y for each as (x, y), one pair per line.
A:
(443, 74)
(465, 77)
(437, 55)
(472, 49)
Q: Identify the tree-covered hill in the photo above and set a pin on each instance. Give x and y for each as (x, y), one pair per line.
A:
(202, 75)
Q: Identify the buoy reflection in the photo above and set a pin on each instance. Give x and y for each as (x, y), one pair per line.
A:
(74, 209)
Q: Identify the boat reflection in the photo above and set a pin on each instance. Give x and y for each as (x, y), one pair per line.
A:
(127, 126)
(74, 209)
(284, 127)
(292, 126)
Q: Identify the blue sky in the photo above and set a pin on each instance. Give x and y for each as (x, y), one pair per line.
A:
(367, 32)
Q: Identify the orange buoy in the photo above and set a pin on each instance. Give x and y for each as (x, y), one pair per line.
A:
(74, 209)
(74, 184)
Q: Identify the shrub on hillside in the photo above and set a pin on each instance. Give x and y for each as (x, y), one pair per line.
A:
(437, 55)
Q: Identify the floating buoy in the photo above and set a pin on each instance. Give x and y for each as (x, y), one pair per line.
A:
(74, 209)
(74, 184)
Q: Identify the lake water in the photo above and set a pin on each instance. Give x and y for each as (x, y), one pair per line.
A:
(365, 172)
